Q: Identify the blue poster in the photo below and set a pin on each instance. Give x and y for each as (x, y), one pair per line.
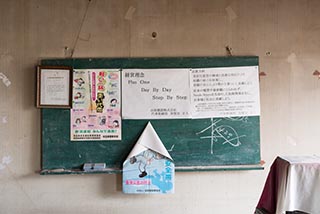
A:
(149, 169)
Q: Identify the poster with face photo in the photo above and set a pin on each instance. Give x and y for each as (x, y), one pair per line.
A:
(95, 113)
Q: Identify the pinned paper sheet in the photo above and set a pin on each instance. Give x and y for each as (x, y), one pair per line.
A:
(149, 168)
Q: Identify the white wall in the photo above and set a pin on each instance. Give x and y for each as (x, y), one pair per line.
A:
(290, 99)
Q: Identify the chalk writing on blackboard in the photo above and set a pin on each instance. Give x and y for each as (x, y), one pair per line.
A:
(244, 119)
(171, 149)
(224, 134)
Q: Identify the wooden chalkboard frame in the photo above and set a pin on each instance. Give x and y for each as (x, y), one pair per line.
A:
(61, 156)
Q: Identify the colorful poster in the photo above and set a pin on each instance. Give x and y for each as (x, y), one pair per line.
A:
(149, 168)
(225, 92)
(96, 112)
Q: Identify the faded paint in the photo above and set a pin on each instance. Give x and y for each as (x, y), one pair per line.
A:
(231, 14)
(130, 13)
(5, 80)
(4, 119)
(35, 29)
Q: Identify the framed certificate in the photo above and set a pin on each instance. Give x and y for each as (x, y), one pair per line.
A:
(54, 87)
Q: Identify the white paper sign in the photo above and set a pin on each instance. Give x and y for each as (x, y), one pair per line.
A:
(225, 92)
(155, 93)
(55, 87)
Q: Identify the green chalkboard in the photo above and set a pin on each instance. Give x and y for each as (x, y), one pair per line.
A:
(182, 137)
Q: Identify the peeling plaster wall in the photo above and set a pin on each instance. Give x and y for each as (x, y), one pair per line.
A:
(283, 33)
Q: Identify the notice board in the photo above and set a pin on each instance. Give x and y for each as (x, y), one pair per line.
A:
(194, 144)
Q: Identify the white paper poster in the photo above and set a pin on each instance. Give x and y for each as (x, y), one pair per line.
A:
(225, 92)
(55, 87)
(96, 112)
(155, 93)
(190, 93)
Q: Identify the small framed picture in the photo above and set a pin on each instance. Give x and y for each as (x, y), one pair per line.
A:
(54, 87)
